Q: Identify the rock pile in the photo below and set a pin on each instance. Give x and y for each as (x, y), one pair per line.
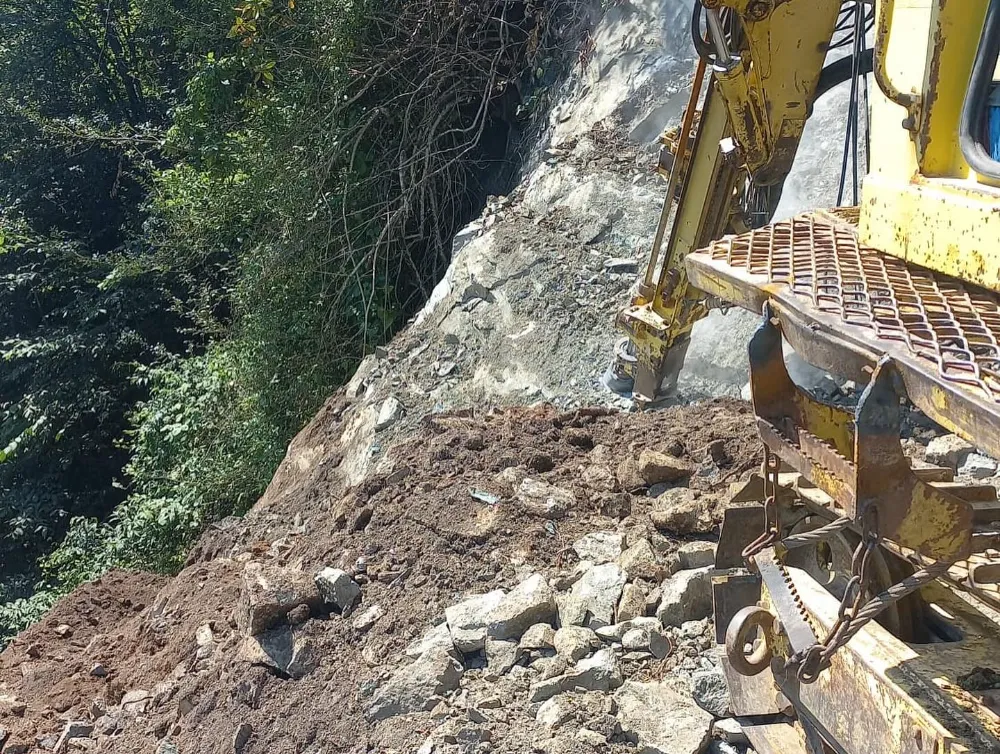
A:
(610, 653)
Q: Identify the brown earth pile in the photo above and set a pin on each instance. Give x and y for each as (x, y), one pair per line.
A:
(158, 665)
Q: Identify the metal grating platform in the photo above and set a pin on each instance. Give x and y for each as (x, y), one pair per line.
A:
(843, 305)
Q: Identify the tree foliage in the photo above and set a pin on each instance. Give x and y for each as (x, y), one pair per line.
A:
(212, 214)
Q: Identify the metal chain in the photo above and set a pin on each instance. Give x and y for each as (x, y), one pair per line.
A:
(772, 529)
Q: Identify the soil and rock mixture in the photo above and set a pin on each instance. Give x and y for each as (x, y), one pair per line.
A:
(336, 618)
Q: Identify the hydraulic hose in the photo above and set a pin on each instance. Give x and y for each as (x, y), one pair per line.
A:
(972, 124)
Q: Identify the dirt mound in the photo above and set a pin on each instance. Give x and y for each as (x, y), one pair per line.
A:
(158, 665)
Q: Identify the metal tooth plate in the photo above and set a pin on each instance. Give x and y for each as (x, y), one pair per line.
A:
(813, 266)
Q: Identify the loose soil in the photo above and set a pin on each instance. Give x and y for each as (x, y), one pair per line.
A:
(423, 539)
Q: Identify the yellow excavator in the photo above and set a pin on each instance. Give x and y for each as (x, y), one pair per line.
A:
(857, 594)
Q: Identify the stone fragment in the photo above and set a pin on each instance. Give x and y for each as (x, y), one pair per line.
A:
(554, 712)
(600, 547)
(281, 649)
(368, 618)
(648, 639)
(696, 554)
(575, 642)
(468, 619)
(599, 477)
(241, 737)
(74, 729)
(549, 667)
(416, 687)
(136, 701)
(632, 604)
(63, 631)
(501, 656)
(687, 595)
(544, 500)
(436, 637)
(978, 466)
(679, 511)
(590, 737)
(268, 593)
(337, 588)
(597, 673)
(661, 721)
(729, 730)
(640, 562)
(99, 671)
(390, 412)
(651, 467)
(593, 599)
(616, 631)
(532, 601)
(565, 579)
(710, 692)
(538, 636)
(948, 450)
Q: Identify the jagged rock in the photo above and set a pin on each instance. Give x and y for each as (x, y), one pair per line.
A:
(555, 712)
(390, 412)
(544, 500)
(73, 729)
(616, 631)
(590, 737)
(549, 667)
(414, 687)
(709, 690)
(99, 671)
(948, 450)
(63, 631)
(679, 511)
(696, 555)
(368, 618)
(532, 601)
(660, 720)
(632, 604)
(565, 579)
(578, 438)
(338, 588)
(615, 504)
(599, 477)
(468, 619)
(437, 637)
(136, 701)
(978, 466)
(687, 595)
(282, 650)
(575, 642)
(269, 592)
(597, 673)
(639, 562)
(600, 547)
(501, 656)
(538, 636)
(593, 599)
(651, 467)
(647, 638)
(241, 737)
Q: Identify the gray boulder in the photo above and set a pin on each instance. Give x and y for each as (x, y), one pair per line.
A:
(530, 602)
(415, 687)
(468, 619)
(660, 720)
(687, 595)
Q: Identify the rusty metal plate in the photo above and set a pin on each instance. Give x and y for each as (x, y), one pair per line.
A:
(843, 305)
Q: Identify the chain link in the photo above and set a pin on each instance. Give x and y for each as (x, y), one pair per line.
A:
(772, 528)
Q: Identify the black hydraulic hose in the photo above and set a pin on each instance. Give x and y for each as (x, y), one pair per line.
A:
(971, 125)
(841, 70)
(703, 47)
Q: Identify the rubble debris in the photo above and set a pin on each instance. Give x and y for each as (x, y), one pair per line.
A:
(573, 643)
(600, 546)
(632, 604)
(660, 720)
(685, 596)
(538, 636)
(337, 588)
(390, 412)
(679, 511)
(532, 601)
(697, 554)
(544, 500)
(468, 619)
(416, 687)
(948, 450)
(639, 561)
(269, 592)
(593, 599)
(600, 672)
(710, 692)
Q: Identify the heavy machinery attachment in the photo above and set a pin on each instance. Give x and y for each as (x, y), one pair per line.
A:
(857, 595)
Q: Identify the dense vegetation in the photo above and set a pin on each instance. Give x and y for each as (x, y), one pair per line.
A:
(208, 215)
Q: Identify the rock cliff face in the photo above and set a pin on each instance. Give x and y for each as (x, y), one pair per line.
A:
(471, 547)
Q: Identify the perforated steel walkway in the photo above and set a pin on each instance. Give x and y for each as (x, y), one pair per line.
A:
(843, 305)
